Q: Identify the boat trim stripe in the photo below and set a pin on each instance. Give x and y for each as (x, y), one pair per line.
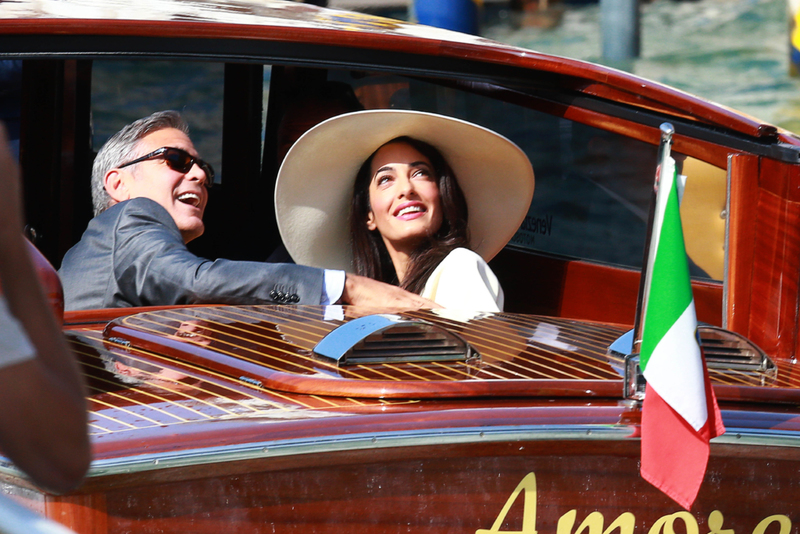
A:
(381, 440)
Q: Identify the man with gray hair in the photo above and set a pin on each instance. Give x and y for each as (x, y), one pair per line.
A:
(150, 190)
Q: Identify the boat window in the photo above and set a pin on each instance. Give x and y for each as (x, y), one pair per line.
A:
(592, 194)
(703, 216)
(593, 187)
(267, 78)
(123, 91)
(11, 100)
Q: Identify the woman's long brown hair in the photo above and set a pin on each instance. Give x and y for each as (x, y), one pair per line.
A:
(370, 257)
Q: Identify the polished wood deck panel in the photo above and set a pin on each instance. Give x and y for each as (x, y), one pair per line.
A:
(192, 365)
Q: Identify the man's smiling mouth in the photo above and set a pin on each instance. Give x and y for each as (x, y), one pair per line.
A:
(190, 198)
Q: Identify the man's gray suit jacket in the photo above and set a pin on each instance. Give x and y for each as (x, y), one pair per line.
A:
(133, 254)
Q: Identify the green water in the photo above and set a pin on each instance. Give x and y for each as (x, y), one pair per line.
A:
(734, 52)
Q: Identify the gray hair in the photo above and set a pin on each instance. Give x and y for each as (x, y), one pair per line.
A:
(122, 147)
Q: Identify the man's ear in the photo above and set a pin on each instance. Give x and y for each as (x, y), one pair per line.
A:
(115, 185)
(371, 221)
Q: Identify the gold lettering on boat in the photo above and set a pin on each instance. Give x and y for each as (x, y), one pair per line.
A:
(625, 522)
(784, 522)
(665, 524)
(715, 520)
(594, 523)
(528, 487)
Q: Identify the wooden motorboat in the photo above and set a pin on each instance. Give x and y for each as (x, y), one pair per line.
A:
(227, 418)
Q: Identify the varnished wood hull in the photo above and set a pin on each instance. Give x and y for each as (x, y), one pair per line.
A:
(447, 488)
(184, 445)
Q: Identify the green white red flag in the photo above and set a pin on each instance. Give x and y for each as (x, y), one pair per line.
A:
(680, 413)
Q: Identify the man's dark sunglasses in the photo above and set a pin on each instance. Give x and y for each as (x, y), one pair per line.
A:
(177, 160)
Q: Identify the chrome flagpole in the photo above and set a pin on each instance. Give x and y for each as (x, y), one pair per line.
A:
(634, 382)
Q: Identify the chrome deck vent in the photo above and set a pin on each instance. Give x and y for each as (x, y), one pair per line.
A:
(724, 349)
(390, 338)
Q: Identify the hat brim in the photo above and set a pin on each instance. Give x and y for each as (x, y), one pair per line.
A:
(315, 182)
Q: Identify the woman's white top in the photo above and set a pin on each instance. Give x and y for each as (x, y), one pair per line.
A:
(463, 280)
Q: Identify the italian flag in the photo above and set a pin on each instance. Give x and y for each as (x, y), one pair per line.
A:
(680, 414)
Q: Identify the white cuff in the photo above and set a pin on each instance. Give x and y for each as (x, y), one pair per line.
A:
(332, 286)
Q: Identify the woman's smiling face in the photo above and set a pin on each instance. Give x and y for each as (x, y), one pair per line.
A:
(405, 206)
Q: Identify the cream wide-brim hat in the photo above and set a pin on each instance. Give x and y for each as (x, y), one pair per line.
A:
(315, 182)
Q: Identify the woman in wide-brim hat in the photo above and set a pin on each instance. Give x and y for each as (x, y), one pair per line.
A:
(411, 198)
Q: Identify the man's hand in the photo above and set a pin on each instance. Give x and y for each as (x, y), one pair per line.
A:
(363, 291)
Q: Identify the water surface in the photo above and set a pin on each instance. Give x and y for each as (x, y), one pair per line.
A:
(734, 52)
